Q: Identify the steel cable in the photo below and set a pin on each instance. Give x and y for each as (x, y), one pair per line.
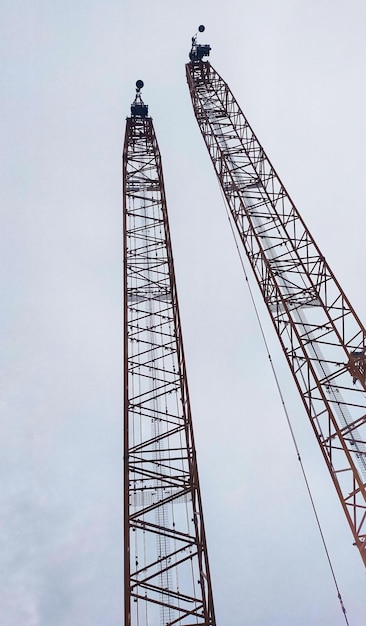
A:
(288, 420)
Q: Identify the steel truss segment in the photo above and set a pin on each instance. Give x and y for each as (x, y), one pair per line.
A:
(322, 338)
(167, 578)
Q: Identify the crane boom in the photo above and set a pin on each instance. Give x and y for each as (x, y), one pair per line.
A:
(167, 578)
(321, 336)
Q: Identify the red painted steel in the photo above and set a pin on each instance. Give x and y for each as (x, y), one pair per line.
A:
(322, 338)
(167, 577)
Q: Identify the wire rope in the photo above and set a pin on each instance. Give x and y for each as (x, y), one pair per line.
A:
(287, 416)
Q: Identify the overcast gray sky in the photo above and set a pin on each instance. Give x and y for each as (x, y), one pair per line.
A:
(68, 75)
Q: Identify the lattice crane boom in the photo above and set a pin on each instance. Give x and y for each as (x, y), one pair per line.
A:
(322, 337)
(167, 577)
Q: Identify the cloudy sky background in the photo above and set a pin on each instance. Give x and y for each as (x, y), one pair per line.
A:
(68, 75)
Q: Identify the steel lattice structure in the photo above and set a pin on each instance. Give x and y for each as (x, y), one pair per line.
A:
(167, 578)
(321, 336)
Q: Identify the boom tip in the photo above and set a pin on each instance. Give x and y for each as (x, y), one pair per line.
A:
(138, 108)
(198, 51)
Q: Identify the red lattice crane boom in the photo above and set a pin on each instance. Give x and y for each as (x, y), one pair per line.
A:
(322, 337)
(167, 578)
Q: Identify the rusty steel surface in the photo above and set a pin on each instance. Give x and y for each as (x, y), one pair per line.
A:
(322, 338)
(167, 578)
